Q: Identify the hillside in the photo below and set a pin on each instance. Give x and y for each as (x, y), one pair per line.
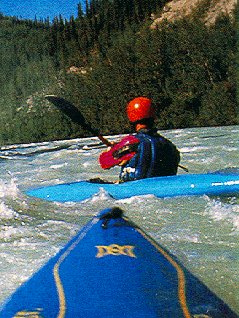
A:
(209, 10)
(110, 54)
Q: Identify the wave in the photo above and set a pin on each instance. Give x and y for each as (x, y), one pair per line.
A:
(6, 212)
(220, 211)
(9, 189)
(12, 153)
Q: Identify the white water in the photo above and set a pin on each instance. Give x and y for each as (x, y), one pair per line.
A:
(202, 231)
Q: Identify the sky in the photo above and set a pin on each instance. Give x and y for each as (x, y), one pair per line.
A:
(41, 9)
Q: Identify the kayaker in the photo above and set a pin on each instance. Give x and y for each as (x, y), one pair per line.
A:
(155, 155)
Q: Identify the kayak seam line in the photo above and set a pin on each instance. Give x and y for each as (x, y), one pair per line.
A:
(180, 273)
(56, 268)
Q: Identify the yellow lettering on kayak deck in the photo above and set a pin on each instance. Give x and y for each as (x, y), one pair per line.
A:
(116, 250)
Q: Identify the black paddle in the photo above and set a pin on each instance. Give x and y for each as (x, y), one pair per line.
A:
(76, 116)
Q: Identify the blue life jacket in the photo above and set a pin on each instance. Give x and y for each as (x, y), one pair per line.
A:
(156, 156)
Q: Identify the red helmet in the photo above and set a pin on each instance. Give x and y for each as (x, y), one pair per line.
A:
(140, 108)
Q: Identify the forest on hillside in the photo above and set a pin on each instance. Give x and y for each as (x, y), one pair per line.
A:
(108, 55)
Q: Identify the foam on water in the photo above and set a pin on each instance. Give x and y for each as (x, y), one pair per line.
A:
(137, 199)
(223, 212)
(8, 232)
(6, 212)
(58, 166)
(193, 149)
(102, 195)
(9, 188)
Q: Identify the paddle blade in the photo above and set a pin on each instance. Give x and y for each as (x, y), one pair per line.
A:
(71, 111)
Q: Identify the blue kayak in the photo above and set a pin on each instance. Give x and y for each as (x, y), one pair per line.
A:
(172, 186)
(113, 269)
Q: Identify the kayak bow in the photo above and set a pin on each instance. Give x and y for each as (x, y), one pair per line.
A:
(112, 268)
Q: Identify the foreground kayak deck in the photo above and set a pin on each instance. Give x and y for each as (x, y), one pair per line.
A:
(111, 268)
(180, 185)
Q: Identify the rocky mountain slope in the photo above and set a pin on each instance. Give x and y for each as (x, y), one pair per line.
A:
(209, 10)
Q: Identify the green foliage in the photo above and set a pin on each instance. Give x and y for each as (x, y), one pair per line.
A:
(105, 57)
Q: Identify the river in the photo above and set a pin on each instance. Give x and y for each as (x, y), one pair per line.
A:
(202, 231)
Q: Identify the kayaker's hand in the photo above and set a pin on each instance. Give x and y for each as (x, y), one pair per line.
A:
(118, 182)
(123, 163)
(112, 145)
